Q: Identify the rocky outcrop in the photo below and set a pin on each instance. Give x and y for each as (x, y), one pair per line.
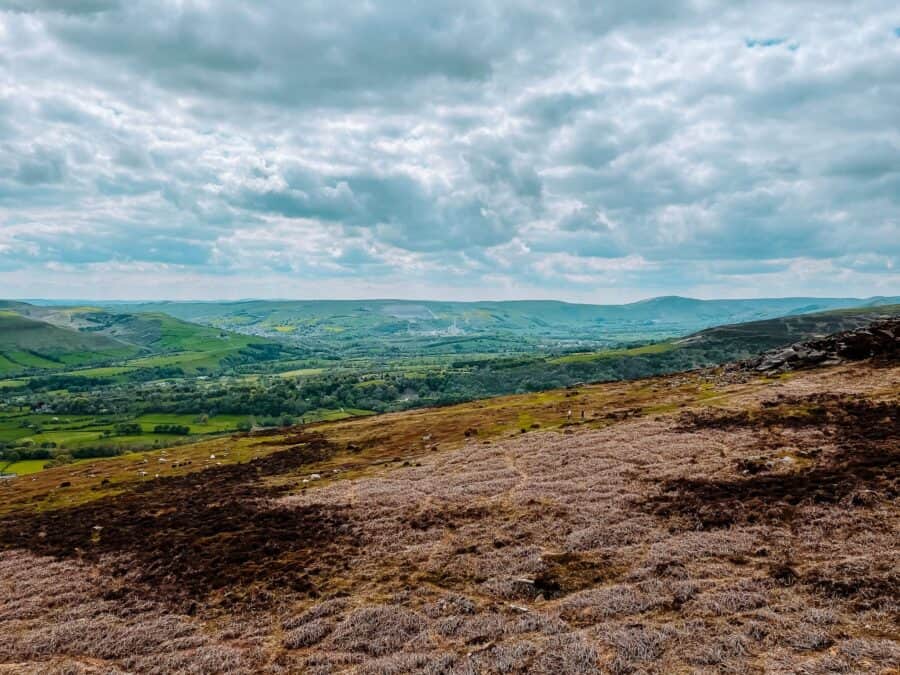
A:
(880, 340)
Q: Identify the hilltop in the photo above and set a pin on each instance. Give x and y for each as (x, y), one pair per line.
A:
(745, 339)
(693, 522)
(878, 340)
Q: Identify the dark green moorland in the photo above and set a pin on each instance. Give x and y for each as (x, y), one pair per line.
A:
(83, 382)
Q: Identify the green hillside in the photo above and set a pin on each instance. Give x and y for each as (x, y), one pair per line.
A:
(70, 337)
(27, 345)
(401, 326)
(160, 333)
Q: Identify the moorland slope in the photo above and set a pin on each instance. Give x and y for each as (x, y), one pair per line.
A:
(716, 521)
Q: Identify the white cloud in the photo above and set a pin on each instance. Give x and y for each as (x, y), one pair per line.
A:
(583, 150)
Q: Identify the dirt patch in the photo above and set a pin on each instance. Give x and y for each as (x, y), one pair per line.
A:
(712, 504)
(448, 518)
(861, 466)
(851, 416)
(567, 573)
(192, 537)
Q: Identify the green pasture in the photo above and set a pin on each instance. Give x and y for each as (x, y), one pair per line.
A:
(103, 371)
(214, 425)
(71, 431)
(23, 467)
(188, 361)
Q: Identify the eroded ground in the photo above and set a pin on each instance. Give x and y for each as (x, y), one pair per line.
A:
(685, 524)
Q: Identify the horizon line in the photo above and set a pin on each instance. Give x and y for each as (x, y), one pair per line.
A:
(430, 300)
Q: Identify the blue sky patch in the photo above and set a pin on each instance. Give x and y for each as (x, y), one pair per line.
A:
(763, 42)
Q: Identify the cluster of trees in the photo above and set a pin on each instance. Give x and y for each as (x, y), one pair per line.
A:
(60, 456)
(272, 398)
(127, 429)
(15, 453)
(175, 429)
(278, 400)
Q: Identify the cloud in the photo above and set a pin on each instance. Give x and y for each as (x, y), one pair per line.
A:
(69, 7)
(577, 149)
(41, 167)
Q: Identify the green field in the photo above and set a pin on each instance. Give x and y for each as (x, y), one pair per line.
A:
(214, 425)
(302, 372)
(69, 432)
(103, 371)
(24, 467)
(334, 415)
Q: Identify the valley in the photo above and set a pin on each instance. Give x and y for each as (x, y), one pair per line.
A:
(114, 383)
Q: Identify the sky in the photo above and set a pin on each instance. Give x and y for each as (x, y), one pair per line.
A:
(483, 149)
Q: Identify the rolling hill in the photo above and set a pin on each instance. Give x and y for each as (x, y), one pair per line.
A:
(705, 348)
(513, 325)
(80, 336)
(27, 345)
(739, 341)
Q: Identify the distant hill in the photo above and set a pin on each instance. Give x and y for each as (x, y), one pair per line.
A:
(710, 347)
(411, 323)
(74, 336)
(733, 342)
(569, 342)
(27, 344)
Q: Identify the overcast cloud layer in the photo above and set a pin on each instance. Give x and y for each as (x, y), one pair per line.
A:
(487, 149)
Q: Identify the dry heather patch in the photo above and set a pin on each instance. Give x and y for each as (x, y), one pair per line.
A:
(543, 553)
(850, 451)
(185, 538)
(57, 618)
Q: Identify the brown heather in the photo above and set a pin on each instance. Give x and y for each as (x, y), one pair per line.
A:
(749, 527)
